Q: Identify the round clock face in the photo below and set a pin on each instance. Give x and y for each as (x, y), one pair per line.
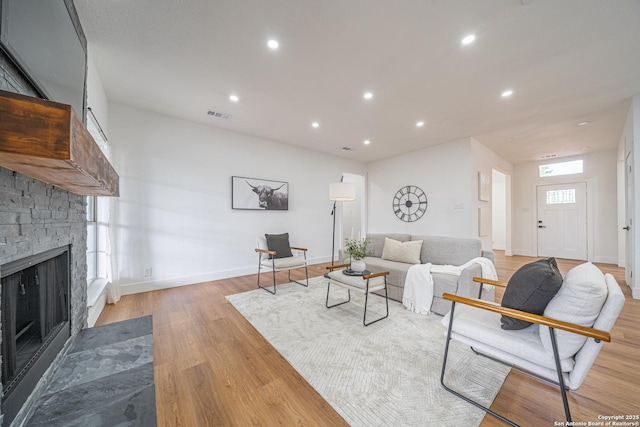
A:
(410, 203)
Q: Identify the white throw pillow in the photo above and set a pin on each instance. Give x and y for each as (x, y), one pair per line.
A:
(579, 300)
(408, 252)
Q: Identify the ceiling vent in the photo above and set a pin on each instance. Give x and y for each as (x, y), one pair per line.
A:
(549, 156)
(219, 114)
(347, 148)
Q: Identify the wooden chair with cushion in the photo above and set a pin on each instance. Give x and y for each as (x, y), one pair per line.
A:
(558, 346)
(275, 254)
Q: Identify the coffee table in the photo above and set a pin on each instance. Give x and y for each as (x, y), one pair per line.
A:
(366, 283)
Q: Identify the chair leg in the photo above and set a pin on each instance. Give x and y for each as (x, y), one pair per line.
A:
(461, 396)
(563, 390)
(274, 279)
(366, 298)
(300, 283)
(340, 303)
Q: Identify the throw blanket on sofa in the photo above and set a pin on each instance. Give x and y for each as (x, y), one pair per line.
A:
(418, 286)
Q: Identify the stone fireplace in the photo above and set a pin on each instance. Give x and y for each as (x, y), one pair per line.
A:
(37, 220)
(35, 322)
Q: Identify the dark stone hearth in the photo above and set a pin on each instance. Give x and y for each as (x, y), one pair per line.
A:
(106, 379)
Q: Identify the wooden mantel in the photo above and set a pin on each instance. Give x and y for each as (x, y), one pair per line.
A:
(47, 141)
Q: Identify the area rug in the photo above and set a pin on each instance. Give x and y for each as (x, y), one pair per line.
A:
(387, 373)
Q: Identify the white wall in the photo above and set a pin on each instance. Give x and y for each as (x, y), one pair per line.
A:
(174, 211)
(448, 174)
(600, 176)
(485, 160)
(498, 211)
(442, 172)
(96, 96)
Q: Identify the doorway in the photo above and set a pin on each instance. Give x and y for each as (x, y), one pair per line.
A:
(562, 221)
(353, 213)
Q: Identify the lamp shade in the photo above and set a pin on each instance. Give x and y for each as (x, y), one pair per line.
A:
(342, 192)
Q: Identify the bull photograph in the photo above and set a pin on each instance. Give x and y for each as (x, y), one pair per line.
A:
(259, 194)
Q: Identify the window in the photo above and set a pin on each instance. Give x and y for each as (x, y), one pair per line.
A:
(97, 225)
(92, 240)
(557, 169)
(556, 197)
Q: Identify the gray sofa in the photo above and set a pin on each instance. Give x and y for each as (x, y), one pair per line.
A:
(438, 251)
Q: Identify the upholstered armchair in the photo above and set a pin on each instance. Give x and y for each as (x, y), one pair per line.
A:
(276, 254)
(558, 347)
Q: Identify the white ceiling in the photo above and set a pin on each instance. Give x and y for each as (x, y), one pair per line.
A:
(567, 61)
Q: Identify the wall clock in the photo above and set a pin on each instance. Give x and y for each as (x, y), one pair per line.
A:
(410, 203)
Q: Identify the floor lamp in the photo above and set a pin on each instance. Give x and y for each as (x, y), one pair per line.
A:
(339, 192)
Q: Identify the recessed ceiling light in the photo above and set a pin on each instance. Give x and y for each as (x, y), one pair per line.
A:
(367, 142)
(507, 93)
(468, 39)
(234, 98)
(509, 139)
(273, 44)
(586, 148)
(583, 123)
(315, 124)
(420, 124)
(368, 95)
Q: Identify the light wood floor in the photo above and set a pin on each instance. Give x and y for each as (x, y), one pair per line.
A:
(212, 368)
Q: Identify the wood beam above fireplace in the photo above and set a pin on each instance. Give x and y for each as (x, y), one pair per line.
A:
(47, 141)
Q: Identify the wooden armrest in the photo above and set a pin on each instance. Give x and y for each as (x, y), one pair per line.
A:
(530, 317)
(298, 249)
(371, 276)
(265, 251)
(489, 282)
(336, 266)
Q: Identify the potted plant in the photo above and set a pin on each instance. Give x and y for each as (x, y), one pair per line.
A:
(357, 248)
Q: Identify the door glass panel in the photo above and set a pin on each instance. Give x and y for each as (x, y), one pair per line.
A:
(555, 197)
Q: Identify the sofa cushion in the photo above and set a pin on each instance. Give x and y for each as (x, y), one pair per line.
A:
(376, 242)
(408, 252)
(448, 250)
(280, 244)
(530, 289)
(397, 270)
(579, 300)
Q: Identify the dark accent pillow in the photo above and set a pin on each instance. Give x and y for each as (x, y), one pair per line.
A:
(530, 289)
(280, 244)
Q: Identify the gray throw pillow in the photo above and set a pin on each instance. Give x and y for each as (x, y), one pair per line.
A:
(530, 289)
(280, 244)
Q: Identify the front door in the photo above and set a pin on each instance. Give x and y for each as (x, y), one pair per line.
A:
(562, 221)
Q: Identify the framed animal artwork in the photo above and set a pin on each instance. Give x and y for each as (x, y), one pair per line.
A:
(259, 194)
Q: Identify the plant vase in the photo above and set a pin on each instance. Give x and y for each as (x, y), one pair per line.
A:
(358, 265)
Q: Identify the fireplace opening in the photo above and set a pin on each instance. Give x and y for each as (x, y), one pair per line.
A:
(35, 322)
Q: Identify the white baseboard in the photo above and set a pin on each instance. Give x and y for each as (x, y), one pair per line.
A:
(523, 253)
(635, 293)
(621, 263)
(96, 309)
(508, 253)
(499, 247)
(605, 260)
(154, 285)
